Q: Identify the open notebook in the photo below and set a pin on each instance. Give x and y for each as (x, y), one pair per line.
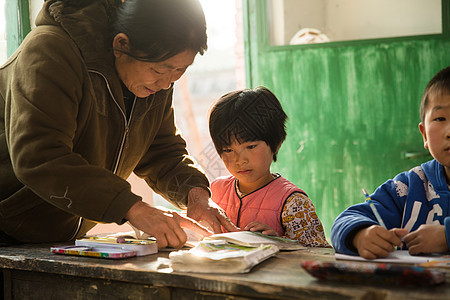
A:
(243, 238)
(248, 238)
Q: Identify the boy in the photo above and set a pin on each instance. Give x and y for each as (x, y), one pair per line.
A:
(414, 205)
(248, 128)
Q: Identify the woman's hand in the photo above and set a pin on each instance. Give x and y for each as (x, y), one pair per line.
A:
(164, 225)
(427, 239)
(263, 228)
(206, 212)
(376, 241)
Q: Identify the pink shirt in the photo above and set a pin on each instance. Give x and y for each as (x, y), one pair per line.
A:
(263, 205)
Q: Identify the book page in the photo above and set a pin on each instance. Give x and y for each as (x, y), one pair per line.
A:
(244, 238)
(248, 238)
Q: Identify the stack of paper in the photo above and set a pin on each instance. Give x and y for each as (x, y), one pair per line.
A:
(219, 256)
(231, 252)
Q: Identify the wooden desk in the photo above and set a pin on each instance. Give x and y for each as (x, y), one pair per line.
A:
(31, 271)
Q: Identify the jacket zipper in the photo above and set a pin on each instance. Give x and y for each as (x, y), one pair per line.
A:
(127, 131)
(238, 219)
(80, 222)
(122, 144)
(127, 122)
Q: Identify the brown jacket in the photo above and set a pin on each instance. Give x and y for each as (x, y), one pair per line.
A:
(66, 146)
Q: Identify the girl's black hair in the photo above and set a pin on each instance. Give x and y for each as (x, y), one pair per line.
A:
(160, 29)
(248, 115)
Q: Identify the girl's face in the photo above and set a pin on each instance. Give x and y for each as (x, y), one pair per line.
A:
(436, 130)
(250, 163)
(146, 78)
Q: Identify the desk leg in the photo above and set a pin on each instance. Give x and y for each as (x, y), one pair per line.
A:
(6, 287)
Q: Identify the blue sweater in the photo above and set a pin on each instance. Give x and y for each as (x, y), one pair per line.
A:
(418, 196)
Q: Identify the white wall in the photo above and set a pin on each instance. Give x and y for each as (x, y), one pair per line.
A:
(354, 19)
(357, 19)
(311, 14)
(35, 7)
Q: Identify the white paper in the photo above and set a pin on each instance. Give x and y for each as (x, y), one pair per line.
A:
(398, 256)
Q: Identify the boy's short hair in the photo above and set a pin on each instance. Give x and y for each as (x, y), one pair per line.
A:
(440, 83)
(248, 115)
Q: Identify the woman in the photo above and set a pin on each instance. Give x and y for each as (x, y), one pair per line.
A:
(87, 99)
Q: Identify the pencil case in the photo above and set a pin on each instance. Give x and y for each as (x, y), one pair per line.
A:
(373, 273)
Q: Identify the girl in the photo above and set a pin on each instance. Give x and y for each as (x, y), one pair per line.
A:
(247, 128)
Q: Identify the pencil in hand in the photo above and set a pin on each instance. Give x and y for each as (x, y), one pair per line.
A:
(374, 209)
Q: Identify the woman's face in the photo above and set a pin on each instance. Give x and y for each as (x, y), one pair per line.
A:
(146, 78)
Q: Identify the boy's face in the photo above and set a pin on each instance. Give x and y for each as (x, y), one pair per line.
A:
(250, 163)
(436, 130)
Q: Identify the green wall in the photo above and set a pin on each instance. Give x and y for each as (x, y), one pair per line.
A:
(353, 108)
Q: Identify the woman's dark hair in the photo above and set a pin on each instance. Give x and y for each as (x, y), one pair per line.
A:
(160, 29)
(248, 115)
(440, 83)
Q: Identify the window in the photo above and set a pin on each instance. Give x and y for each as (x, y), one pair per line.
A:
(315, 21)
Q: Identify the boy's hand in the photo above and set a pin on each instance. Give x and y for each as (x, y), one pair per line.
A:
(427, 239)
(263, 228)
(376, 241)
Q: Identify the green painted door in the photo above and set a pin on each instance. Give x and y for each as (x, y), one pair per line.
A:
(17, 13)
(353, 107)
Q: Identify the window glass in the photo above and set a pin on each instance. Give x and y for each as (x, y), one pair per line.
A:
(315, 21)
(3, 54)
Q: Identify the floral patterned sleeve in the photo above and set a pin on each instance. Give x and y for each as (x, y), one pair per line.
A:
(301, 222)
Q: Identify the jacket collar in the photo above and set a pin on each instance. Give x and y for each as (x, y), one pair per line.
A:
(435, 173)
